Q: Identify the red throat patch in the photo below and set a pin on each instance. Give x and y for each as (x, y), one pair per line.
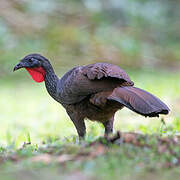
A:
(37, 73)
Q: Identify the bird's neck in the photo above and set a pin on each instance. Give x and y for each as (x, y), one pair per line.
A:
(51, 81)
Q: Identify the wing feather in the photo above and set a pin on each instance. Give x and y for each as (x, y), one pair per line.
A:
(83, 81)
(100, 70)
(139, 101)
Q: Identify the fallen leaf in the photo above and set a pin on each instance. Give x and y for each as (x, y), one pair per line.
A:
(162, 148)
(45, 158)
(13, 157)
(97, 151)
(129, 138)
(64, 158)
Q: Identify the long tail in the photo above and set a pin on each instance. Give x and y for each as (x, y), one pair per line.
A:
(139, 101)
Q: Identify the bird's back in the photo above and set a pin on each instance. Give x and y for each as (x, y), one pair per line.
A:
(82, 81)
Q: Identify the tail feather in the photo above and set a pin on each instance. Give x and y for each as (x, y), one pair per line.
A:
(139, 101)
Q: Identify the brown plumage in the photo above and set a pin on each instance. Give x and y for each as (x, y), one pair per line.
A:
(95, 91)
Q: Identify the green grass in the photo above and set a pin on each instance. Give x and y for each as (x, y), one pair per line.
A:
(29, 114)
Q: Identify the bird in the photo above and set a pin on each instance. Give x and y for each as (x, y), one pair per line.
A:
(95, 92)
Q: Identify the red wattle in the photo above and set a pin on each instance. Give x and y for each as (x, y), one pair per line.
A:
(37, 73)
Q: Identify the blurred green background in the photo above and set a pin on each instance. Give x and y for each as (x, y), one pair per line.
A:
(141, 36)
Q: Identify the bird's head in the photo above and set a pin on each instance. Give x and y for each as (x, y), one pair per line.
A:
(35, 64)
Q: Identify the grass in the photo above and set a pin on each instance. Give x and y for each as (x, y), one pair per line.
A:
(29, 114)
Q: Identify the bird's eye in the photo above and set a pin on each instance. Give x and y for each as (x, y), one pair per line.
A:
(31, 60)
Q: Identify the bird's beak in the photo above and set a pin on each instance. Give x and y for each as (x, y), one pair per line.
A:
(18, 66)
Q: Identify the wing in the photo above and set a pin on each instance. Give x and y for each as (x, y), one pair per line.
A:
(105, 70)
(139, 101)
(83, 81)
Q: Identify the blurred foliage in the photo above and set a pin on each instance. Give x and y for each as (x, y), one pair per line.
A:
(135, 33)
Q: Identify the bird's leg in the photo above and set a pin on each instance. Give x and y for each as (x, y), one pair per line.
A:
(80, 127)
(108, 126)
(79, 124)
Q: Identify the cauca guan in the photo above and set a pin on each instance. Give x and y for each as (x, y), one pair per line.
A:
(94, 91)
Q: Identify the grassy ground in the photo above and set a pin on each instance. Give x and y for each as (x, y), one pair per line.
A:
(28, 114)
